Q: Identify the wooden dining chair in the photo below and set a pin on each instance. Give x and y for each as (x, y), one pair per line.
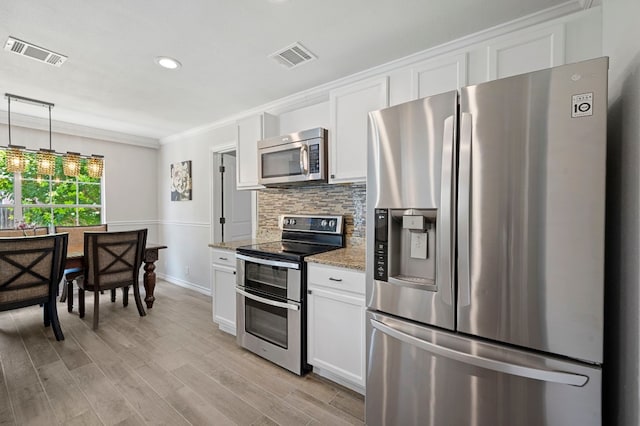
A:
(30, 270)
(76, 244)
(111, 260)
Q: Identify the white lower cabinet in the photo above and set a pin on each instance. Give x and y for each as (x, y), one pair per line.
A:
(223, 271)
(336, 324)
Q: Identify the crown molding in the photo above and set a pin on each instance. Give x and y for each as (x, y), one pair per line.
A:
(320, 93)
(63, 127)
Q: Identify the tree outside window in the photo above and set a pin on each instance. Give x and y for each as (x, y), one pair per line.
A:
(48, 200)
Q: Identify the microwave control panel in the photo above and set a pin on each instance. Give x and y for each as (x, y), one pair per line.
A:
(314, 158)
(380, 266)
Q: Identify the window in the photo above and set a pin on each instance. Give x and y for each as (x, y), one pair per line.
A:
(48, 200)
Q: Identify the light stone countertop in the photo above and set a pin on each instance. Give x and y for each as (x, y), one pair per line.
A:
(348, 257)
(233, 245)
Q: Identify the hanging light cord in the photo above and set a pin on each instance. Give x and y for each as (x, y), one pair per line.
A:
(9, 113)
(49, 127)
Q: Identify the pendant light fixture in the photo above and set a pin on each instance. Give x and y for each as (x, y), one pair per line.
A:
(71, 164)
(16, 160)
(95, 165)
(46, 158)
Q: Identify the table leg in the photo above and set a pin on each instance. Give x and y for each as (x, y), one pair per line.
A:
(149, 277)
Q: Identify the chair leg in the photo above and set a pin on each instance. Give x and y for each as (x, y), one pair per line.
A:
(45, 312)
(136, 296)
(81, 302)
(65, 288)
(55, 322)
(113, 295)
(125, 296)
(96, 308)
(69, 293)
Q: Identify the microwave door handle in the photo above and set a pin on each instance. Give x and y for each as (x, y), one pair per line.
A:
(269, 302)
(304, 160)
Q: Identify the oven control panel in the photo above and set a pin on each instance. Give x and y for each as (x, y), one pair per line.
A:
(304, 223)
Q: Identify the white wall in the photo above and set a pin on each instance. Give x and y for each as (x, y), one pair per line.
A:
(130, 175)
(621, 42)
(185, 225)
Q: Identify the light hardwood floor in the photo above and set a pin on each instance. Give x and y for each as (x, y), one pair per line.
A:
(171, 367)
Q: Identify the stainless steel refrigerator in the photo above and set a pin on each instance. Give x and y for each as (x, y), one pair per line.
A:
(485, 253)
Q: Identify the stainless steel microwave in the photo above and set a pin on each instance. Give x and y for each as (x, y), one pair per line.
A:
(294, 158)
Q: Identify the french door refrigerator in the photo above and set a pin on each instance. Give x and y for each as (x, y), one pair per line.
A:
(485, 253)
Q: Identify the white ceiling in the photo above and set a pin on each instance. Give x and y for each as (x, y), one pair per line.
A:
(110, 80)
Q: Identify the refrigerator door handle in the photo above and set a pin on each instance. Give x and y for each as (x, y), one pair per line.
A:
(445, 253)
(464, 211)
(560, 377)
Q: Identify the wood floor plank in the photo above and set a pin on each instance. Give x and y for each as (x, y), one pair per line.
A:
(350, 402)
(273, 407)
(40, 349)
(230, 405)
(6, 410)
(161, 380)
(103, 396)
(319, 410)
(149, 405)
(197, 409)
(67, 401)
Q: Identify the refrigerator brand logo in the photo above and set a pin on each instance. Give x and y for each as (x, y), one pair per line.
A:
(582, 105)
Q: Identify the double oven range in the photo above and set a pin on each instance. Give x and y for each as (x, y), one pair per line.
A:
(271, 288)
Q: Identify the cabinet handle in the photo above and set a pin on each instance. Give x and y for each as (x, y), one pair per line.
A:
(335, 279)
(223, 258)
(309, 292)
(333, 176)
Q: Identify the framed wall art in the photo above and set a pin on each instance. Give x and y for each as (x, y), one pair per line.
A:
(181, 181)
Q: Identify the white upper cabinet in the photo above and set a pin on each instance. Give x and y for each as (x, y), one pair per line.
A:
(250, 131)
(526, 51)
(349, 107)
(438, 75)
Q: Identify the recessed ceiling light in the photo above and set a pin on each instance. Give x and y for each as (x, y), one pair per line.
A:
(167, 62)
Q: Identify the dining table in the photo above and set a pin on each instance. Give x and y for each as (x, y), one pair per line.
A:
(75, 257)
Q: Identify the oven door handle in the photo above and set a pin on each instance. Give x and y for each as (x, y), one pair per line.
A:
(268, 262)
(270, 302)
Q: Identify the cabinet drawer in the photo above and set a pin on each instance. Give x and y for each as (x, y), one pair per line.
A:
(224, 257)
(338, 278)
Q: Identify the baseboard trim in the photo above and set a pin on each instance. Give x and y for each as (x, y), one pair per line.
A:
(339, 380)
(185, 284)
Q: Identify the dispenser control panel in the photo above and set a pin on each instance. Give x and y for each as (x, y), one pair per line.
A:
(381, 244)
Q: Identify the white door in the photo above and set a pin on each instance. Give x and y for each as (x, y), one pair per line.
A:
(231, 209)
(236, 205)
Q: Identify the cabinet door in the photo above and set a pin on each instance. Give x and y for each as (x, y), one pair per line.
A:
(438, 75)
(224, 298)
(335, 333)
(250, 131)
(350, 107)
(525, 52)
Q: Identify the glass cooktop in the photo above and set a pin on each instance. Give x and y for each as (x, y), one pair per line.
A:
(285, 249)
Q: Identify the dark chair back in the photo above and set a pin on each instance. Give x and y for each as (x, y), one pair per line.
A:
(30, 270)
(29, 232)
(113, 259)
(76, 234)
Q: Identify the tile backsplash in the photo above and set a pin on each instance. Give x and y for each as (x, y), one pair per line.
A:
(348, 200)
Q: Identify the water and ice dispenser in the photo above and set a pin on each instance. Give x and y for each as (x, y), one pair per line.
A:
(405, 247)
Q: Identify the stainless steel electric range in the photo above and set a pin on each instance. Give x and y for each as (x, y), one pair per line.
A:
(272, 286)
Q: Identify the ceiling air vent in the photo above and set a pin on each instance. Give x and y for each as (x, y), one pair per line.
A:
(32, 51)
(293, 56)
